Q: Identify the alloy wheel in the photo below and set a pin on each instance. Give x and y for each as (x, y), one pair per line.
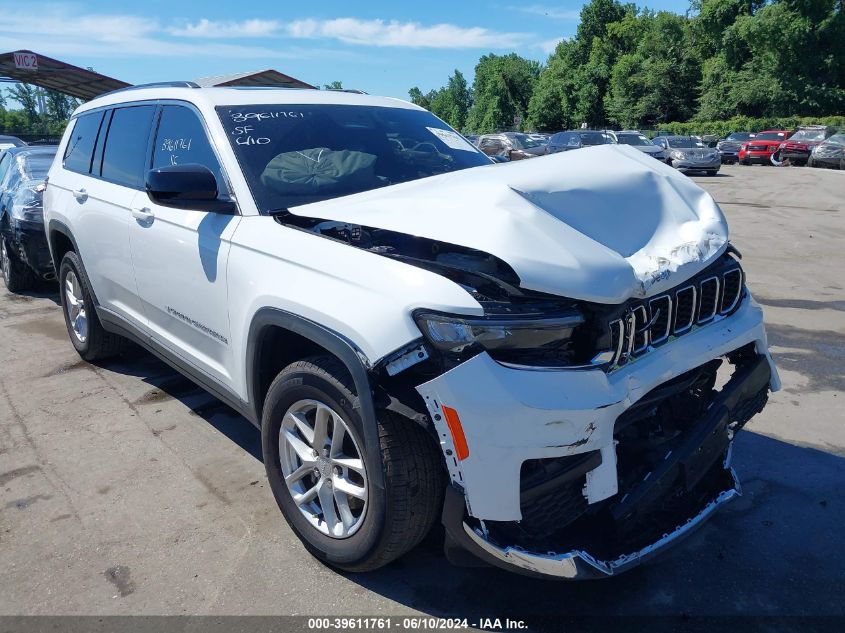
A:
(323, 468)
(75, 307)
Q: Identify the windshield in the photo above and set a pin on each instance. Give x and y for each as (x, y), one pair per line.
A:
(298, 154)
(632, 139)
(595, 138)
(837, 139)
(740, 136)
(808, 135)
(684, 142)
(523, 141)
(770, 136)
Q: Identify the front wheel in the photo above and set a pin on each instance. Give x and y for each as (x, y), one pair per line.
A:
(318, 466)
(712, 172)
(811, 162)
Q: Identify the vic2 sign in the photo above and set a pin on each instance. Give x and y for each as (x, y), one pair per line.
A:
(26, 61)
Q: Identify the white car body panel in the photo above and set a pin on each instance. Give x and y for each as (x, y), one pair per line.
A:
(365, 298)
(560, 222)
(180, 259)
(511, 415)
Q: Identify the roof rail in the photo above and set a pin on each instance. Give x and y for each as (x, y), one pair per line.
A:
(156, 84)
(350, 90)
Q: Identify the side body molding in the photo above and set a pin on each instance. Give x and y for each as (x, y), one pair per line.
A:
(336, 344)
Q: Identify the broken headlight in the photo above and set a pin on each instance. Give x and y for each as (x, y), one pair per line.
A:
(543, 340)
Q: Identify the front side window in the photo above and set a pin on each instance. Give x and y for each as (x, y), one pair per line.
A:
(5, 161)
(80, 145)
(297, 154)
(182, 139)
(125, 151)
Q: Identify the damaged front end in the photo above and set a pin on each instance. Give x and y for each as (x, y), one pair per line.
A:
(581, 446)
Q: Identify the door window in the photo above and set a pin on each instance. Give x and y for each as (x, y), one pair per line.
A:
(181, 139)
(125, 151)
(80, 145)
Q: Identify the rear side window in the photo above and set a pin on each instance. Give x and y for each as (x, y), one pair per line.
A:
(80, 145)
(181, 139)
(125, 151)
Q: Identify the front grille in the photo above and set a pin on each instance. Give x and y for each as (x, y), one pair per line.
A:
(758, 148)
(674, 313)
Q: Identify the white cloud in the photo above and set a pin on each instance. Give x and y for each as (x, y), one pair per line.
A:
(554, 13)
(56, 31)
(402, 34)
(549, 46)
(217, 29)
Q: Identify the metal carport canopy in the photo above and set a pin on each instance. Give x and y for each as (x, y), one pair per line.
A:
(56, 75)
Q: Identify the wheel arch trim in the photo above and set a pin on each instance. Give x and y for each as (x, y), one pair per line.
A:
(336, 344)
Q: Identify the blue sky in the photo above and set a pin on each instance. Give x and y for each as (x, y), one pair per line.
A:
(381, 47)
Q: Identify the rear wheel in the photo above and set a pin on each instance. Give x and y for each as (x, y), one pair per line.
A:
(317, 464)
(16, 274)
(89, 338)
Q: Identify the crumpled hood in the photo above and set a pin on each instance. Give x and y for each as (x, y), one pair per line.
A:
(601, 224)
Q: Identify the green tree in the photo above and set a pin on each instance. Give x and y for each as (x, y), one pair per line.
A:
(501, 91)
(334, 85)
(27, 96)
(420, 99)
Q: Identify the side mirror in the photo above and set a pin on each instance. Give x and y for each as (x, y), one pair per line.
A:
(514, 154)
(188, 186)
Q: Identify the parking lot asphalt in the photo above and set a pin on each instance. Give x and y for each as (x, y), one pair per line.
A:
(124, 489)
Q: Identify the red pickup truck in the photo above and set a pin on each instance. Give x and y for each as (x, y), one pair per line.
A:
(760, 148)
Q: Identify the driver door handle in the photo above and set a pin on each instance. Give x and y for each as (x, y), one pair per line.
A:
(143, 213)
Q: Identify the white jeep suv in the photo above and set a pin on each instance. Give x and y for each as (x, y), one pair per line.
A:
(550, 356)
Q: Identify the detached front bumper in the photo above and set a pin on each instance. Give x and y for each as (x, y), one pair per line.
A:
(509, 416)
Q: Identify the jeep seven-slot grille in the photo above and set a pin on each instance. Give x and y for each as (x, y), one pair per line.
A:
(655, 321)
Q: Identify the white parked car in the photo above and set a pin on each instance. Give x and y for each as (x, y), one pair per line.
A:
(528, 352)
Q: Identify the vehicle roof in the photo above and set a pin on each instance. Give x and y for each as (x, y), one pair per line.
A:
(242, 96)
(775, 131)
(32, 149)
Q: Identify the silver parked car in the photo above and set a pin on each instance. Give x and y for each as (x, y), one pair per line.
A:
(636, 139)
(689, 153)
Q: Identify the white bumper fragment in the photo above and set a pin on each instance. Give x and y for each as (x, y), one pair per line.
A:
(511, 415)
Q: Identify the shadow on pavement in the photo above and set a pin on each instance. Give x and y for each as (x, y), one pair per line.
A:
(777, 550)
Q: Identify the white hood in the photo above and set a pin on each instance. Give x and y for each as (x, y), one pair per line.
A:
(602, 224)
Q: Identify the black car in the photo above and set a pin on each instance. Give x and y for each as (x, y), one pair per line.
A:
(729, 146)
(576, 139)
(24, 256)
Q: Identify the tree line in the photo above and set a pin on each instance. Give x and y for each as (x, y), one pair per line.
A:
(42, 111)
(633, 67)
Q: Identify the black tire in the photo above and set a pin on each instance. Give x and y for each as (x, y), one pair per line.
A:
(842, 163)
(98, 344)
(811, 162)
(712, 172)
(396, 518)
(16, 274)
